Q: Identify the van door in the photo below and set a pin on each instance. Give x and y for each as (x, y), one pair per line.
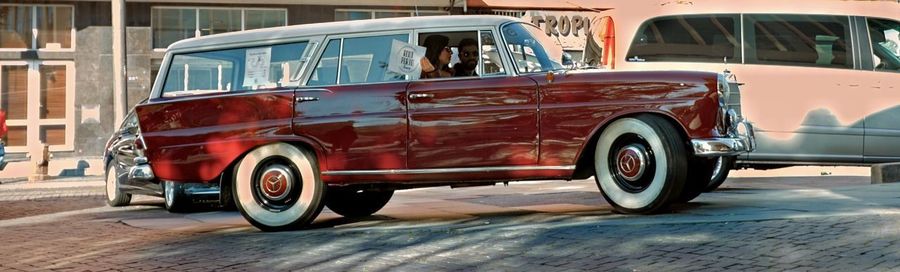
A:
(802, 93)
(882, 46)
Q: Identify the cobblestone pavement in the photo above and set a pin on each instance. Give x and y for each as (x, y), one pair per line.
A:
(853, 228)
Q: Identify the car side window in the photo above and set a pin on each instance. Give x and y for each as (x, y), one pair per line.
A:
(326, 70)
(704, 38)
(356, 60)
(885, 36)
(800, 40)
(365, 59)
(257, 68)
(130, 124)
(471, 54)
(491, 62)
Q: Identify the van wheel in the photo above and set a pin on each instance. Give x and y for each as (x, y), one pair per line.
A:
(114, 195)
(700, 170)
(278, 187)
(640, 164)
(350, 202)
(720, 173)
(176, 200)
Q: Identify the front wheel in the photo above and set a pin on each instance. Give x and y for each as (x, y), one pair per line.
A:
(351, 202)
(114, 195)
(640, 164)
(720, 173)
(278, 187)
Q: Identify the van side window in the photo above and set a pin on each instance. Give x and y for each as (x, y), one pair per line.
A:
(257, 68)
(885, 35)
(705, 38)
(802, 40)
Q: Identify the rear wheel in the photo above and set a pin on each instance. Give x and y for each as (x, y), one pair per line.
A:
(278, 187)
(176, 200)
(640, 164)
(720, 173)
(351, 202)
(114, 195)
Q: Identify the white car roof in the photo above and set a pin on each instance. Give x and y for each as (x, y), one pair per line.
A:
(342, 27)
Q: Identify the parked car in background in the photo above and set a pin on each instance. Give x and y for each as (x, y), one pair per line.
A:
(126, 176)
(335, 115)
(820, 80)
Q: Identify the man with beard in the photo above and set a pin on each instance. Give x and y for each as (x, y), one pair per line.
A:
(468, 58)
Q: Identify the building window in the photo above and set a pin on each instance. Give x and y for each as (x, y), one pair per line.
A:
(36, 26)
(171, 24)
(349, 15)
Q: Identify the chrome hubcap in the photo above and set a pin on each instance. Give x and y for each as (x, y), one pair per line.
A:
(275, 183)
(631, 162)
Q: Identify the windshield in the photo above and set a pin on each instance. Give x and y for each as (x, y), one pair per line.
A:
(532, 50)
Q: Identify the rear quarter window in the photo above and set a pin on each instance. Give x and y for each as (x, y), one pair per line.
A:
(256, 68)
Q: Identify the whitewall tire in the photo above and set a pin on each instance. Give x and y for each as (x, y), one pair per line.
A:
(114, 195)
(278, 187)
(640, 164)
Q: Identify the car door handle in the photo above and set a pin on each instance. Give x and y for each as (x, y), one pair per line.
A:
(420, 95)
(301, 99)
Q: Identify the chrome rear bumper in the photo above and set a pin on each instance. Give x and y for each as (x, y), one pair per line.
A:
(741, 141)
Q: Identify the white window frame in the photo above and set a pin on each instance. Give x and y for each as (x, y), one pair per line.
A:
(33, 122)
(197, 18)
(35, 32)
(412, 13)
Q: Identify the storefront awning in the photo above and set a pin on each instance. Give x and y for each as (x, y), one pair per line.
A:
(567, 5)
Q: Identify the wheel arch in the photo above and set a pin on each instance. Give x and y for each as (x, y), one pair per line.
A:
(584, 162)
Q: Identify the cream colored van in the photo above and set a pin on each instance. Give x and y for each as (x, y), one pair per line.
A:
(819, 80)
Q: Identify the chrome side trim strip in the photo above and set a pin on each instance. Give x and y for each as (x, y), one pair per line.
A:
(445, 170)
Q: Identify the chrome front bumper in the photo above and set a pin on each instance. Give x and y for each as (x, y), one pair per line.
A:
(742, 140)
(141, 170)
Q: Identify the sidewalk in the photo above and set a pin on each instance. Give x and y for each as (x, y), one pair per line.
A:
(54, 188)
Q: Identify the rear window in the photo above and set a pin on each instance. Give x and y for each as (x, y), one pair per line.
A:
(800, 40)
(256, 68)
(695, 38)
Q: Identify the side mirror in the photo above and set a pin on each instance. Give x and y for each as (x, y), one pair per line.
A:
(567, 59)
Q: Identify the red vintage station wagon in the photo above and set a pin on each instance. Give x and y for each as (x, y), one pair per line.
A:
(293, 119)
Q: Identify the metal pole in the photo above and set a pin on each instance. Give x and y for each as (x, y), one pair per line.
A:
(120, 91)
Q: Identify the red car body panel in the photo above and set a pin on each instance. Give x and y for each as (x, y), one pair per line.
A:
(511, 121)
(193, 139)
(357, 126)
(576, 106)
(471, 123)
